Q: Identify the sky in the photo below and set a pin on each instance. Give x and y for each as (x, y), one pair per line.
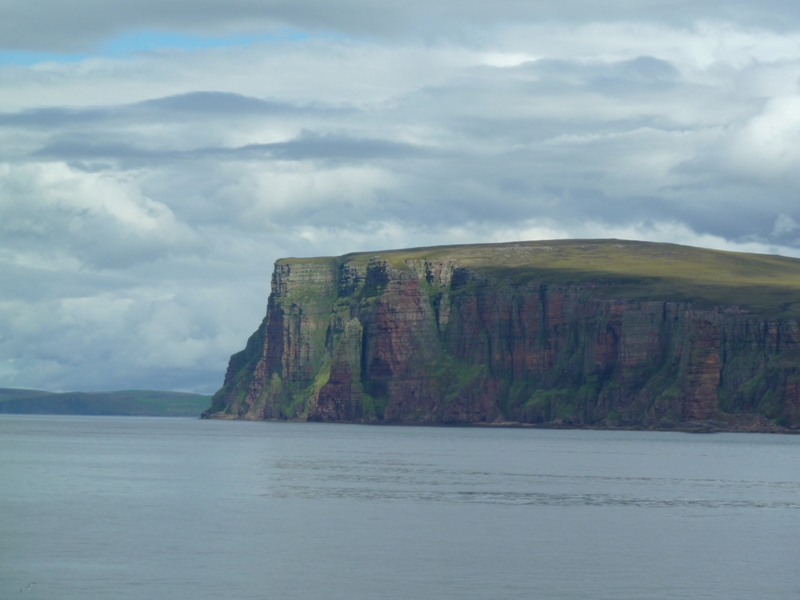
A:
(156, 157)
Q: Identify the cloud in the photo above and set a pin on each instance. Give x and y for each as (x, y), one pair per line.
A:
(144, 197)
(769, 143)
(103, 221)
(56, 25)
(171, 339)
(307, 146)
(180, 107)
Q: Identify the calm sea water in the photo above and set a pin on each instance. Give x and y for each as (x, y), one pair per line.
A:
(149, 508)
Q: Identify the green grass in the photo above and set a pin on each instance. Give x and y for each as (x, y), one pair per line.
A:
(765, 285)
(123, 403)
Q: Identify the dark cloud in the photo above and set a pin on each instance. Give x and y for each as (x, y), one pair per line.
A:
(179, 107)
(642, 74)
(49, 118)
(308, 146)
(336, 147)
(228, 104)
(58, 25)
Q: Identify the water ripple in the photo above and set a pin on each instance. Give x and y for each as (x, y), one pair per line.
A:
(520, 498)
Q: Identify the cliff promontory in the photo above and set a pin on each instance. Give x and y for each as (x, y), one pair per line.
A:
(571, 333)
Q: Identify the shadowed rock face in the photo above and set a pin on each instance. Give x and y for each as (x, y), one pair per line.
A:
(421, 340)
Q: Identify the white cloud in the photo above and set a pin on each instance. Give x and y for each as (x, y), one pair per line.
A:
(769, 143)
(100, 219)
(285, 191)
(140, 235)
(784, 224)
(506, 59)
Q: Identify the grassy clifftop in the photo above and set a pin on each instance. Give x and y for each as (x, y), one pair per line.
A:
(763, 285)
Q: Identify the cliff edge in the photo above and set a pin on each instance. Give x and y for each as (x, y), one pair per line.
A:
(568, 333)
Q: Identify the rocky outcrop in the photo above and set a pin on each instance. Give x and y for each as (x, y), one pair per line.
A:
(429, 340)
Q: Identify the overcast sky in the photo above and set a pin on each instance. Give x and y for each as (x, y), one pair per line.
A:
(156, 157)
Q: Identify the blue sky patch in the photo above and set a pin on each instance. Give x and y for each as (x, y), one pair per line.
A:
(150, 41)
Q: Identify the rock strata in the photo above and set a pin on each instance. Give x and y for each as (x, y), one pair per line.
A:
(439, 336)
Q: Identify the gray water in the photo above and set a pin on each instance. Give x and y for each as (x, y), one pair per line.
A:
(152, 508)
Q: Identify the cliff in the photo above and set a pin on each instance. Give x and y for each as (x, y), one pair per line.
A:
(577, 333)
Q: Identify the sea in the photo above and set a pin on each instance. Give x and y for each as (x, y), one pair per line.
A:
(176, 508)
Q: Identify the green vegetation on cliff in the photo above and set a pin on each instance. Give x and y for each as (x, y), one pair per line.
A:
(565, 333)
(763, 284)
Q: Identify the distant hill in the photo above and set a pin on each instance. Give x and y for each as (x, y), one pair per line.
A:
(131, 403)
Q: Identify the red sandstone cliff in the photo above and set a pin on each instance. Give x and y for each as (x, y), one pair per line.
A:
(427, 340)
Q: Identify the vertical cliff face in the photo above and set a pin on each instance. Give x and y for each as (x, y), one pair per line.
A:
(276, 374)
(425, 339)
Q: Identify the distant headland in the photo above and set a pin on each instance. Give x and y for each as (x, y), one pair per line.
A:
(567, 333)
(129, 403)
